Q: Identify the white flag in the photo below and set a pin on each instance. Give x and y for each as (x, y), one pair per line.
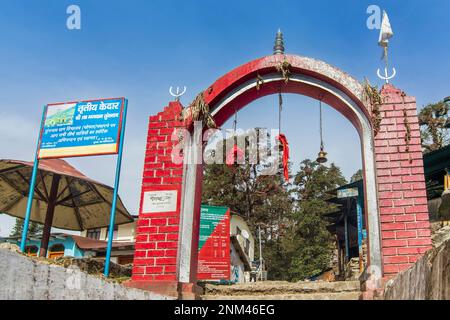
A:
(386, 31)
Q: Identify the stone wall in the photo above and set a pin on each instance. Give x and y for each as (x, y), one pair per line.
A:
(22, 278)
(428, 279)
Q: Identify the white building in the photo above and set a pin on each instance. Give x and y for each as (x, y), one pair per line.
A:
(242, 246)
(124, 233)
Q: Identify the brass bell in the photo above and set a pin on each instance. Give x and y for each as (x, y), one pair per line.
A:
(322, 158)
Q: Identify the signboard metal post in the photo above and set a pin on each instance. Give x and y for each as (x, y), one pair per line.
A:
(116, 191)
(26, 222)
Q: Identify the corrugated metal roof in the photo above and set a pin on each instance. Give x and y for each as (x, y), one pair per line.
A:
(92, 244)
(437, 160)
(57, 166)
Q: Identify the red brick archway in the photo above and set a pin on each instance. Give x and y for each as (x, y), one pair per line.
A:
(396, 205)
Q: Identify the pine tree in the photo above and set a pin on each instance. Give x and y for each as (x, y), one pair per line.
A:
(34, 228)
(434, 120)
(296, 243)
(314, 182)
(259, 198)
(358, 175)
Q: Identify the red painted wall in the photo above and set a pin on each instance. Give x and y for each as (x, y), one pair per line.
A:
(405, 226)
(156, 247)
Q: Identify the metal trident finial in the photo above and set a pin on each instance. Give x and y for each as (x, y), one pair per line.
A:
(178, 93)
(386, 77)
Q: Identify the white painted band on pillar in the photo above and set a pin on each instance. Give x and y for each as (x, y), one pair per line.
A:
(193, 150)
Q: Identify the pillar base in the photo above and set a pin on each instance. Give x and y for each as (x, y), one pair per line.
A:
(374, 290)
(189, 291)
(177, 290)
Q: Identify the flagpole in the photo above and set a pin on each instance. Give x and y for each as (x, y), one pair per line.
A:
(385, 34)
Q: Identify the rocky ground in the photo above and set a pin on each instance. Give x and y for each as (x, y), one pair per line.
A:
(440, 233)
(118, 273)
(26, 278)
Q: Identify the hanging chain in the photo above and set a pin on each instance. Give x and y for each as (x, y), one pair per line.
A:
(280, 109)
(235, 126)
(235, 121)
(321, 129)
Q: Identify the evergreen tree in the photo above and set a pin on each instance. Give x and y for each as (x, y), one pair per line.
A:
(435, 124)
(296, 243)
(357, 176)
(314, 242)
(258, 198)
(34, 228)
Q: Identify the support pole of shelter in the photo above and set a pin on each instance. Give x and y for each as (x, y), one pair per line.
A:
(116, 191)
(26, 222)
(51, 205)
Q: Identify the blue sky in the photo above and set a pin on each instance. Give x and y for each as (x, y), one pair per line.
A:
(139, 48)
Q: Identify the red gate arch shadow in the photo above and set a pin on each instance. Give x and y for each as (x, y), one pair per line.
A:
(165, 259)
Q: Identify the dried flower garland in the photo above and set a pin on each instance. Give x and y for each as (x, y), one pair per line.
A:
(374, 97)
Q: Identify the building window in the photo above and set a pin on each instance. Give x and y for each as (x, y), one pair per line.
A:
(115, 232)
(32, 251)
(125, 260)
(94, 234)
(56, 251)
(247, 247)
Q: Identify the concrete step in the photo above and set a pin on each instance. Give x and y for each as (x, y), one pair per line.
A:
(283, 288)
(311, 296)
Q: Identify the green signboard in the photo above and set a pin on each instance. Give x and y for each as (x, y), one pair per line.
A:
(214, 244)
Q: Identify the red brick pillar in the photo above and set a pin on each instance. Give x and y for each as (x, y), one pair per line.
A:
(156, 247)
(405, 226)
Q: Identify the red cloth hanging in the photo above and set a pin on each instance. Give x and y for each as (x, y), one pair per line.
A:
(283, 140)
(234, 155)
